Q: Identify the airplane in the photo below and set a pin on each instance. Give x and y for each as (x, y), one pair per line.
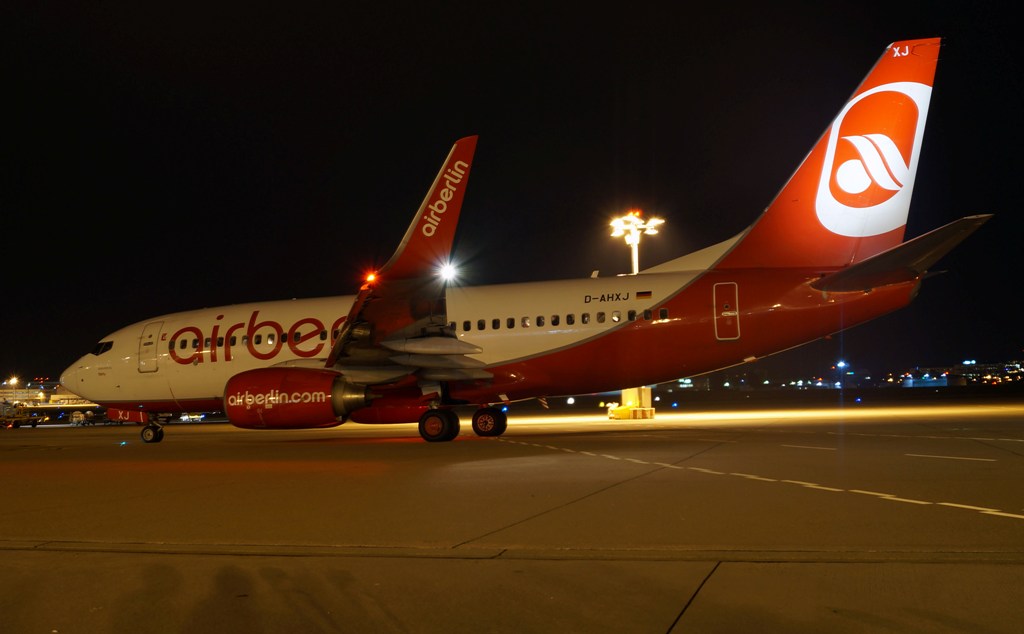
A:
(828, 253)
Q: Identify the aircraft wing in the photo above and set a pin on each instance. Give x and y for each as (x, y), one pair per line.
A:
(398, 323)
(904, 262)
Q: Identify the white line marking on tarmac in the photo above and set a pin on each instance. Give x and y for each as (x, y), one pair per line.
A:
(808, 485)
(924, 455)
(1001, 514)
(809, 447)
(968, 507)
(896, 499)
(750, 476)
(875, 493)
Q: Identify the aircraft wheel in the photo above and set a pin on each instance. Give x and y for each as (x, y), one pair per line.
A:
(439, 425)
(152, 433)
(489, 421)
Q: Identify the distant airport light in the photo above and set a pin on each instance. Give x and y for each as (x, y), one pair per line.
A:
(631, 227)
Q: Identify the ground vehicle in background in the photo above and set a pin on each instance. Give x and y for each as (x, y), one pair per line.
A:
(15, 415)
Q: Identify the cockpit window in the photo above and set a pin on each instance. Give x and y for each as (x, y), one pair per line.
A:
(102, 347)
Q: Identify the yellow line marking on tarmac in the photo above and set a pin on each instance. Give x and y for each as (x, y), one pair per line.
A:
(809, 447)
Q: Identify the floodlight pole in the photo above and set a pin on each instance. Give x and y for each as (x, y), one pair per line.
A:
(631, 227)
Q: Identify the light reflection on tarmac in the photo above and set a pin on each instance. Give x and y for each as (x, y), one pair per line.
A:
(881, 518)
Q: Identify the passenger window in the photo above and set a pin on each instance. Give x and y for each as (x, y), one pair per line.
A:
(206, 343)
(495, 324)
(245, 340)
(481, 324)
(554, 320)
(270, 339)
(648, 315)
(195, 344)
(466, 324)
(616, 316)
(257, 340)
(220, 342)
(170, 348)
(323, 335)
(663, 313)
(284, 337)
(600, 317)
(526, 322)
(570, 319)
(183, 344)
(631, 315)
(233, 340)
(585, 318)
(540, 321)
(510, 322)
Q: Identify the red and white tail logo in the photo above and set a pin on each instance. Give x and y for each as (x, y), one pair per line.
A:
(867, 177)
(850, 197)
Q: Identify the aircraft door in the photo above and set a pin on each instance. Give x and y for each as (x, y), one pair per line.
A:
(727, 311)
(148, 348)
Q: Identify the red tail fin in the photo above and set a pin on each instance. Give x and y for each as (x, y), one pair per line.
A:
(850, 197)
(427, 243)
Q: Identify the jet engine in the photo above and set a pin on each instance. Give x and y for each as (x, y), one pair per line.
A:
(291, 398)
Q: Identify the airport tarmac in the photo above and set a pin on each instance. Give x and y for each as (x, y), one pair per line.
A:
(896, 518)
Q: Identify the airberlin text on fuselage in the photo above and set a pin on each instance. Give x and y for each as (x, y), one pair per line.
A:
(300, 339)
(453, 176)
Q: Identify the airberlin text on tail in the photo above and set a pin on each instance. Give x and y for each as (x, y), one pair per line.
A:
(427, 243)
(850, 197)
(453, 176)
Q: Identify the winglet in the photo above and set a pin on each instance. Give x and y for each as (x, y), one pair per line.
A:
(427, 243)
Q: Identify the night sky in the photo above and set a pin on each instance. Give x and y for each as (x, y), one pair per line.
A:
(163, 158)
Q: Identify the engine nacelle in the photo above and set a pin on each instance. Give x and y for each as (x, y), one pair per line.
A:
(290, 398)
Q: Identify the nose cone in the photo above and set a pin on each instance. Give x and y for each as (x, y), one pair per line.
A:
(72, 378)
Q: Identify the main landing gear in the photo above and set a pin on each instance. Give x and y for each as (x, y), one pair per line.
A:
(442, 425)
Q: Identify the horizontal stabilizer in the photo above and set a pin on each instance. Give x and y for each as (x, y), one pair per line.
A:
(903, 263)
